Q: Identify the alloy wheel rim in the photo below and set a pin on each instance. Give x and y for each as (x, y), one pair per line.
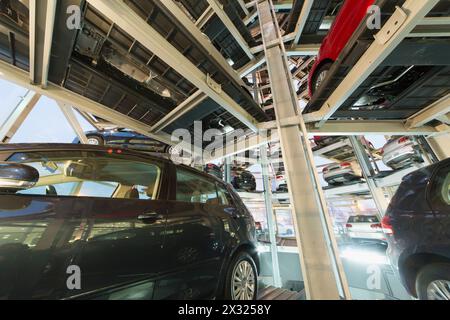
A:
(320, 78)
(243, 286)
(93, 141)
(439, 290)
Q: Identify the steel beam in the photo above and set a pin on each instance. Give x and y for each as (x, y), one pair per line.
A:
(205, 17)
(252, 66)
(18, 116)
(377, 193)
(42, 20)
(303, 50)
(89, 118)
(242, 5)
(397, 28)
(306, 9)
(362, 127)
(295, 50)
(271, 221)
(300, 50)
(246, 143)
(434, 111)
(250, 18)
(69, 113)
(323, 275)
(62, 95)
(195, 32)
(187, 105)
(217, 7)
(151, 39)
(279, 5)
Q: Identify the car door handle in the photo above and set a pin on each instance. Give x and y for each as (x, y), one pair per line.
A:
(150, 217)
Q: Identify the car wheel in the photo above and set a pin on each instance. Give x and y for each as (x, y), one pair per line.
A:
(241, 282)
(320, 75)
(433, 282)
(95, 140)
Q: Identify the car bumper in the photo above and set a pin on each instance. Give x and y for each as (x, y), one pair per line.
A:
(340, 176)
(399, 156)
(367, 235)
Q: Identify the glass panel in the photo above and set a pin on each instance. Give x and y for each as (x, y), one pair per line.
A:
(224, 196)
(91, 174)
(194, 188)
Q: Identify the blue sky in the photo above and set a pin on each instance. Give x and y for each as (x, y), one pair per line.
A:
(45, 123)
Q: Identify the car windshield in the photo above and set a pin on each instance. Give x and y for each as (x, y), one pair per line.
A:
(363, 219)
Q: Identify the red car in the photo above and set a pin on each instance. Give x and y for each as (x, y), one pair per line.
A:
(350, 16)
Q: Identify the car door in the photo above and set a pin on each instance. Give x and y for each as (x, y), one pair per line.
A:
(107, 218)
(193, 240)
(34, 248)
(437, 226)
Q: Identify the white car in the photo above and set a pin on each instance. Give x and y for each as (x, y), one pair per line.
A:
(361, 228)
(280, 179)
(399, 152)
(340, 173)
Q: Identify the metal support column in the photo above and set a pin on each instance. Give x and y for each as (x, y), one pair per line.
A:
(322, 272)
(440, 144)
(271, 222)
(18, 116)
(73, 121)
(227, 171)
(368, 171)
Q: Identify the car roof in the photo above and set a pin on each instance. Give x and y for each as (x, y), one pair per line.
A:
(30, 147)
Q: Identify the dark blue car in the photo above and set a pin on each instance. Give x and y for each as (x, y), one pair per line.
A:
(417, 224)
(125, 138)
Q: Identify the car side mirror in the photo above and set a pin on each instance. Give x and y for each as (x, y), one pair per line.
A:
(17, 176)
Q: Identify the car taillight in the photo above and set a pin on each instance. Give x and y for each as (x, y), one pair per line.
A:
(279, 177)
(325, 170)
(402, 140)
(387, 226)
(348, 225)
(376, 226)
(345, 164)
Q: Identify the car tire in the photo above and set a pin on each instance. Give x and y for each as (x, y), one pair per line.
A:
(241, 265)
(318, 78)
(431, 276)
(96, 140)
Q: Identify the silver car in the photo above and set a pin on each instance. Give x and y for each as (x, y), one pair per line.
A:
(363, 228)
(399, 152)
(340, 173)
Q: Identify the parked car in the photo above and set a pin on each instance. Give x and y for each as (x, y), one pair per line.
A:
(283, 188)
(417, 224)
(125, 138)
(214, 170)
(280, 178)
(348, 19)
(127, 225)
(365, 228)
(341, 173)
(400, 152)
(244, 180)
(323, 141)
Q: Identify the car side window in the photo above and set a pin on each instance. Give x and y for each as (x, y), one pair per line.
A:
(440, 190)
(225, 198)
(91, 174)
(192, 187)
